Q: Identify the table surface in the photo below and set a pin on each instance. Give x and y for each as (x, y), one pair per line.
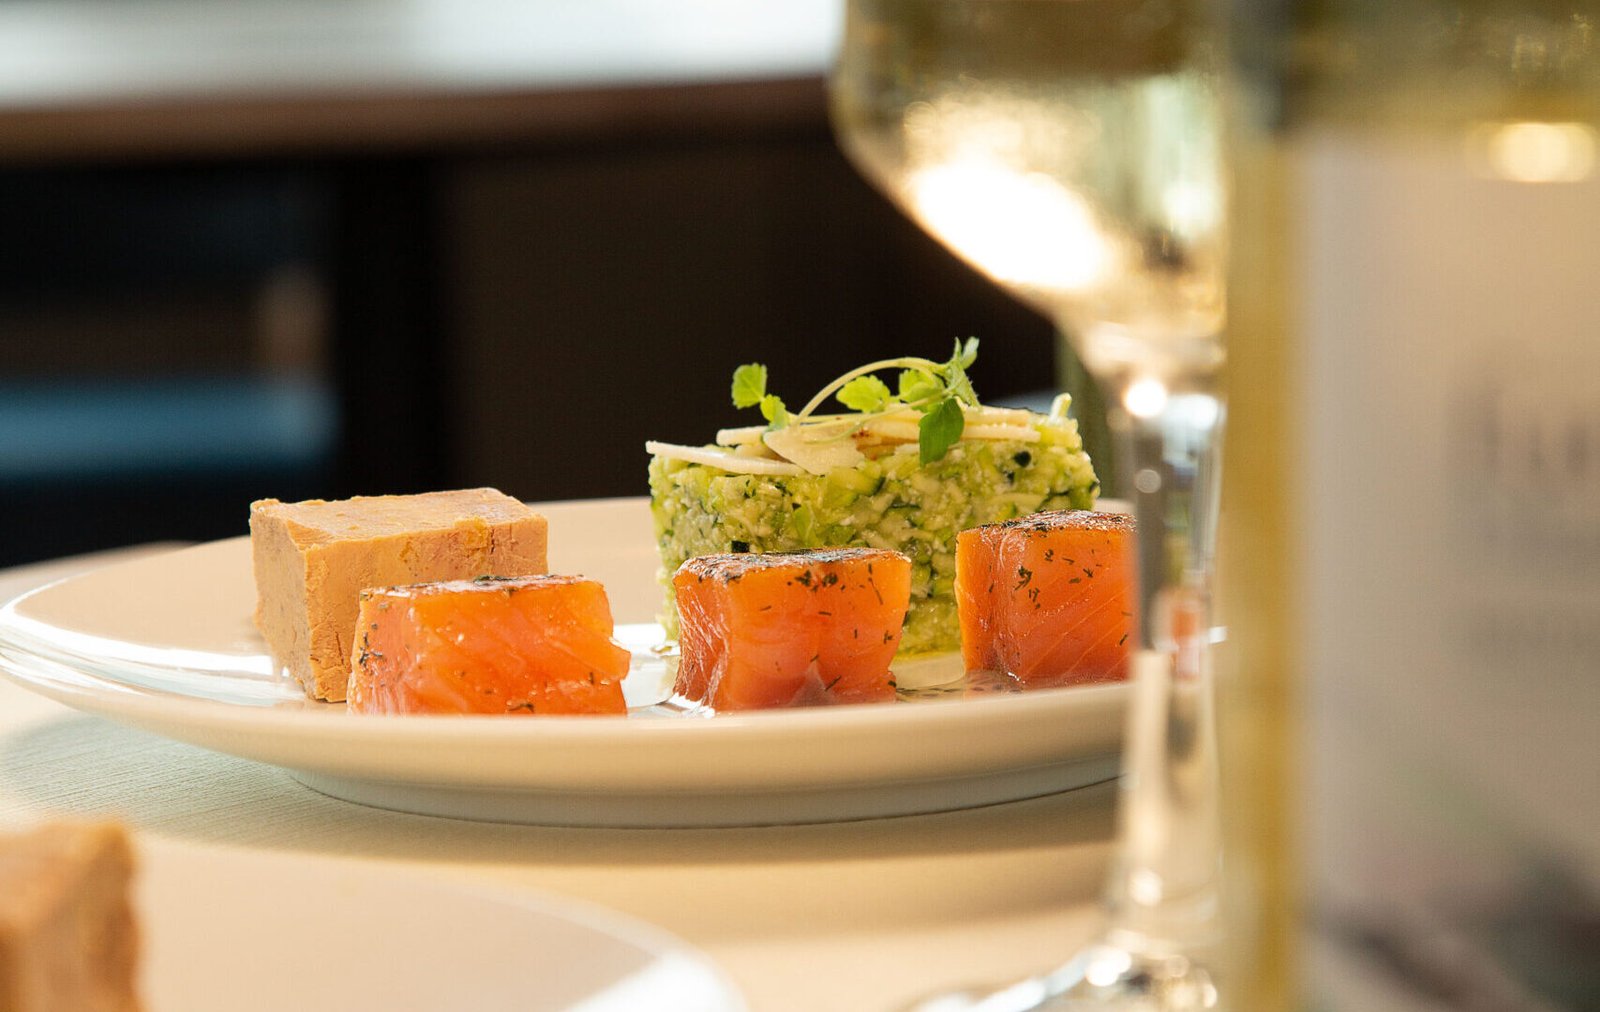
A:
(862, 915)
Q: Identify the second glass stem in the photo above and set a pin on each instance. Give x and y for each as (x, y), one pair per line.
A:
(1165, 877)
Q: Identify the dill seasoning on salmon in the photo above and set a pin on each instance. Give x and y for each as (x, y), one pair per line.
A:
(492, 645)
(790, 628)
(1048, 599)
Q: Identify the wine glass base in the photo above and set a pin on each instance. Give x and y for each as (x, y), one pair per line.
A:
(1102, 976)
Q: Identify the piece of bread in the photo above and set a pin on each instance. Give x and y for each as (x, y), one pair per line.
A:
(68, 940)
(312, 560)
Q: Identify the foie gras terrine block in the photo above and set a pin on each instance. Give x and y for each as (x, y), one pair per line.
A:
(68, 940)
(313, 559)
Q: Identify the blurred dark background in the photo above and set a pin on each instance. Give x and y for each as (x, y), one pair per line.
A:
(282, 275)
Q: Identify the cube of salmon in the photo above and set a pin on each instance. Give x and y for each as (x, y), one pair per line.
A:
(790, 628)
(1048, 598)
(503, 645)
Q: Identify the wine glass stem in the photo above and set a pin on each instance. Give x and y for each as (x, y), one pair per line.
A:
(1164, 885)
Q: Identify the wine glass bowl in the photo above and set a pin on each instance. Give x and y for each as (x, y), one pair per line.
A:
(1071, 150)
(1068, 149)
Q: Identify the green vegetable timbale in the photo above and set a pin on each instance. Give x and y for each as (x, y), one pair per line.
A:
(895, 501)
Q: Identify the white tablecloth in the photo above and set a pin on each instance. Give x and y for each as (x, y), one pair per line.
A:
(847, 916)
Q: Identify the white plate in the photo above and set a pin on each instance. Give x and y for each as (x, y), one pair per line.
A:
(165, 643)
(263, 933)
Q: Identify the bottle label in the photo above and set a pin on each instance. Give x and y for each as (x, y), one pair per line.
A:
(1451, 510)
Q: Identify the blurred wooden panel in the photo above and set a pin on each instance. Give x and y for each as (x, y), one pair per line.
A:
(106, 129)
(598, 298)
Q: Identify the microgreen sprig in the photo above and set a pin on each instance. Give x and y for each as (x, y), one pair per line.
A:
(750, 391)
(937, 390)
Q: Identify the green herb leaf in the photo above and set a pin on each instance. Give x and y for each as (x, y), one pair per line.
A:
(864, 393)
(749, 385)
(773, 411)
(918, 384)
(967, 353)
(939, 429)
(955, 372)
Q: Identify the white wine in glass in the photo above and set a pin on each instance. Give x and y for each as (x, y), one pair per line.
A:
(1071, 150)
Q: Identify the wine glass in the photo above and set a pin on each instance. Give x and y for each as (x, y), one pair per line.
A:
(1072, 151)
